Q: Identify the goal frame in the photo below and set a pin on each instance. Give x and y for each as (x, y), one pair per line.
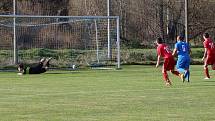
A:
(15, 51)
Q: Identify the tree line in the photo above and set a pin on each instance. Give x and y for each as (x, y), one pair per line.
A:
(141, 21)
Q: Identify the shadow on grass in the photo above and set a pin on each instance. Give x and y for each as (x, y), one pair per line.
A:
(71, 72)
(209, 81)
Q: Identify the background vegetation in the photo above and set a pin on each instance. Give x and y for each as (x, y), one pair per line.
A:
(141, 21)
(66, 57)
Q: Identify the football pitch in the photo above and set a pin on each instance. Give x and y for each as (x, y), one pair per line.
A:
(135, 93)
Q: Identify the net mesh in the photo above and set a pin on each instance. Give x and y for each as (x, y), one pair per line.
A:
(69, 41)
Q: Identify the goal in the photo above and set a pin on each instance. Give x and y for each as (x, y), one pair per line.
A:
(91, 41)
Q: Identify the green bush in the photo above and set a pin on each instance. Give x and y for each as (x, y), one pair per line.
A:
(197, 53)
(66, 56)
(138, 56)
(149, 56)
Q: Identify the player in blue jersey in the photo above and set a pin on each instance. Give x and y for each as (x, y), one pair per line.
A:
(182, 49)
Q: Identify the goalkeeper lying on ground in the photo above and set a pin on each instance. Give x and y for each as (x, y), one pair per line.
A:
(41, 67)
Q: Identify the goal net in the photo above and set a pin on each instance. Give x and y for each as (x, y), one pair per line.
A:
(91, 41)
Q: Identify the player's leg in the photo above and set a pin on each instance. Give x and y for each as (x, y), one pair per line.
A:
(39, 65)
(165, 75)
(42, 60)
(175, 72)
(45, 66)
(213, 66)
(166, 79)
(206, 71)
(180, 68)
(180, 65)
(181, 75)
(168, 83)
(213, 63)
(187, 75)
(21, 69)
(171, 67)
(187, 66)
(47, 63)
(43, 70)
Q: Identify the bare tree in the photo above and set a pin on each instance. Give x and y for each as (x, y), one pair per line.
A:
(141, 21)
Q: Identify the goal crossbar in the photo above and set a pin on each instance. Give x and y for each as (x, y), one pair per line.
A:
(16, 24)
(73, 17)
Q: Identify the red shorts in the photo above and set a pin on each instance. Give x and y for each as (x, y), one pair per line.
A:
(210, 60)
(169, 64)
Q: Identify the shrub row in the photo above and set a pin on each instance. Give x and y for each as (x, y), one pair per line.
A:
(64, 57)
(149, 56)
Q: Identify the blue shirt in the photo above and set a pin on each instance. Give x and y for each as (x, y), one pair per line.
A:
(183, 49)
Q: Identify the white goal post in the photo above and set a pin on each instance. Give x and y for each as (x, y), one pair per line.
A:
(79, 40)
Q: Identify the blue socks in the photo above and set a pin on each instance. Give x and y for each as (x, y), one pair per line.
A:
(187, 76)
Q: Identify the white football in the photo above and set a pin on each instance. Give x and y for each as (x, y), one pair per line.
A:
(73, 66)
(20, 74)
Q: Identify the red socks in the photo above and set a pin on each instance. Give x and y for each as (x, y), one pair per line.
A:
(207, 72)
(165, 76)
(175, 73)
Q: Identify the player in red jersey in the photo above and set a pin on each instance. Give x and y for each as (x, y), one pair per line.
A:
(209, 54)
(169, 62)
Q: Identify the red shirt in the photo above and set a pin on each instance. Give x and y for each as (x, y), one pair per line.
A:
(208, 43)
(164, 51)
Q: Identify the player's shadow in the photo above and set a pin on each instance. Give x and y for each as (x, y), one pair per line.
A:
(57, 73)
(210, 81)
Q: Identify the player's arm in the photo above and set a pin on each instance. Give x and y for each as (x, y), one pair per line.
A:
(159, 51)
(158, 61)
(205, 54)
(205, 50)
(189, 49)
(174, 50)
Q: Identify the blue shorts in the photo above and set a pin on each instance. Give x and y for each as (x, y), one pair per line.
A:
(183, 62)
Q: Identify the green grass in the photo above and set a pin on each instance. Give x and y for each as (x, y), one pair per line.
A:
(135, 93)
